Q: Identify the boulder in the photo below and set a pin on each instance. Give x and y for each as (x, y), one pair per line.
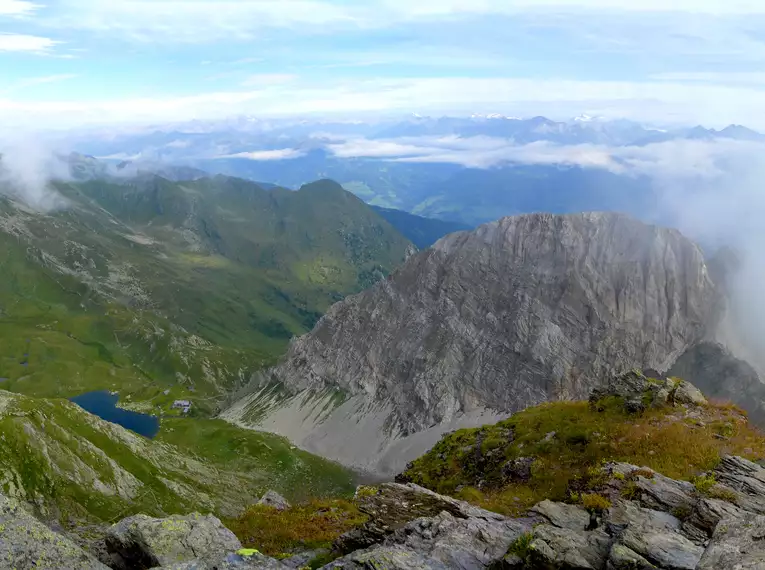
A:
(554, 547)
(622, 558)
(687, 393)
(706, 515)
(563, 515)
(736, 544)
(146, 542)
(26, 543)
(662, 493)
(654, 535)
(471, 543)
(274, 500)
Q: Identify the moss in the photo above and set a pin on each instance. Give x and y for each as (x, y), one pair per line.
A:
(595, 503)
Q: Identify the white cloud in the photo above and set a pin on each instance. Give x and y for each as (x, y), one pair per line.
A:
(449, 7)
(194, 20)
(266, 79)
(655, 101)
(17, 7)
(34, 81)
(26, 43)
(264, 155)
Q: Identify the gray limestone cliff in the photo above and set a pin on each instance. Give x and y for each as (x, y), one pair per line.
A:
(520, 311)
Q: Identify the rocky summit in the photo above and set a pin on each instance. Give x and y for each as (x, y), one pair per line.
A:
(486, 323)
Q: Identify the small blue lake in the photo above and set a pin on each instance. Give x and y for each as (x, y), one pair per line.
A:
(104, 405)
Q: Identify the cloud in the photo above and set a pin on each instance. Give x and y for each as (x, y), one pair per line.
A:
(643, 101)
(17, 8)
(450, 7)
(266, 79)
(194, 20)
(264, 155)
(26, 43)
(34, 81)
(26, 168)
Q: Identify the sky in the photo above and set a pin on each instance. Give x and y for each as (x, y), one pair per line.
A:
(66, 63)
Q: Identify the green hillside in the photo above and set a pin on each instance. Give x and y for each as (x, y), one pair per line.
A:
(74, 467)
(164, 290)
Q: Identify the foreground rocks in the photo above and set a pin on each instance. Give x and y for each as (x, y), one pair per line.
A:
(26, 543)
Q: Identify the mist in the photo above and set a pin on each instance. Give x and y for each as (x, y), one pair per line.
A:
(722, 204)
(27, 167)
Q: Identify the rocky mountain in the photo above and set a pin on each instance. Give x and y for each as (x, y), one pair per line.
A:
(486, 323)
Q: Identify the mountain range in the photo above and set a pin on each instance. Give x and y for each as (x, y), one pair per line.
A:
(470, 170)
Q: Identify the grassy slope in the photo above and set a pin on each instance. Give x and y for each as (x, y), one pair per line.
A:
(468, 463)
(73, 465)
(155, 286)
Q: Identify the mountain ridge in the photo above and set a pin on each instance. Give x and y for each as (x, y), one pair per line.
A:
(481, 325)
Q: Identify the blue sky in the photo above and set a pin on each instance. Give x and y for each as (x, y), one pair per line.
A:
(72, 62)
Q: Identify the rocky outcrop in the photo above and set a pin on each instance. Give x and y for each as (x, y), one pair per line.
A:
(412, 527)
(26, 543)
(274, 500)
(145, 542)
(483, 324)
(664, 525)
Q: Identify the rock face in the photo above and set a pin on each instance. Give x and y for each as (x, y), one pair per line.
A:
(26, 543)
(485, 323)
(719, 374)
(145, 542)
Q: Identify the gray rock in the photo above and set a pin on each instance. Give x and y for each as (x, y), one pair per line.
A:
(654, 535)
(746, 479)
(26, 543)
(662, 493)
(510, 562)
(737, 544)
(563, 515)
(554, 547)
(484, 324)
(471, 543)
(232, 561)
(622, 558)
(687, 393)
(706, 515)
(387, 558)
(145, 542)
(274, 500)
